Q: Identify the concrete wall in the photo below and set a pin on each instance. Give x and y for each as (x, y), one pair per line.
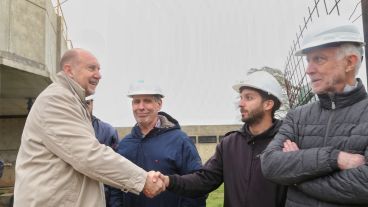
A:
(206, 150)
(10, 133)
(32, 41)
(29, 33)
(4, 21)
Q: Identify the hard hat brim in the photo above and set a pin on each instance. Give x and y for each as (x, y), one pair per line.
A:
(303, 51)
(237, 87)
(149, 93)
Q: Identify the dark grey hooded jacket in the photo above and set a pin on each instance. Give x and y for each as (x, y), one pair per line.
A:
(321, 130)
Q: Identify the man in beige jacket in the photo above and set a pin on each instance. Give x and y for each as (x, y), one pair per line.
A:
(60, 161)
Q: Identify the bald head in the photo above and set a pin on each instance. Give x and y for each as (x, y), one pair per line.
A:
(83, 67)
(72, 57)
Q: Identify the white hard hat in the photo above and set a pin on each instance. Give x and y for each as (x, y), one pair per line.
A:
(263, 81)
(144, 88)
(328, 30)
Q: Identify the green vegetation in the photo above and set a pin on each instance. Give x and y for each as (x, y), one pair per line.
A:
(216, 198)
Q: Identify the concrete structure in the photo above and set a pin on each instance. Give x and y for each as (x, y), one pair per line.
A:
(32, 39)
(205, 137)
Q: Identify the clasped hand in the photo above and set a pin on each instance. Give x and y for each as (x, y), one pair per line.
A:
(154, 184)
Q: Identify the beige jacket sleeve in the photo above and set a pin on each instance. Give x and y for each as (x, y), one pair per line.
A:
(70, 136)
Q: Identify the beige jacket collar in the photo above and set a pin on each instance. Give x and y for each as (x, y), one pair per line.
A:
(71, 85)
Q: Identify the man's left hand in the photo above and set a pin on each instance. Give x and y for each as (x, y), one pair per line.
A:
(290, 146)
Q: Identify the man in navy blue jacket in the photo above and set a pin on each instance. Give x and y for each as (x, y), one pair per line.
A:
(157, 143)
(106, 134)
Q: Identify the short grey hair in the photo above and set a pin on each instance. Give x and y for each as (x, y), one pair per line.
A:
(347, 49)
(157, 98)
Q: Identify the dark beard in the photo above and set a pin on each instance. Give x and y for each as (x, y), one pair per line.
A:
(254, 117)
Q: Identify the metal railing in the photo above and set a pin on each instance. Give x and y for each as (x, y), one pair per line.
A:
(64, 27)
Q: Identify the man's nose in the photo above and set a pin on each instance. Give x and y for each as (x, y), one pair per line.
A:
(310, 68)
(98, 75)
(141, 105)
(241, 103)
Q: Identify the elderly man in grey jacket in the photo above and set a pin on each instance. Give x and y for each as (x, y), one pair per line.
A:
(60, 161)
(321, 147)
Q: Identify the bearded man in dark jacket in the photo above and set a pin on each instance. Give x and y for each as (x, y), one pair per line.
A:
(321, 148)
(236, 162)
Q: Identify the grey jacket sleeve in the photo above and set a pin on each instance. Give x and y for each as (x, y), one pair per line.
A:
(344, 187)
(289, 168)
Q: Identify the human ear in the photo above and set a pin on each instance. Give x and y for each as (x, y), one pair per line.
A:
(160, 104)
(268, 105)
(351, 62)
(68, 70)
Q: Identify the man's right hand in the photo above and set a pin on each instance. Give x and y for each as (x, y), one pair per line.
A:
(154, 185)
(166, 179)
(347, 160)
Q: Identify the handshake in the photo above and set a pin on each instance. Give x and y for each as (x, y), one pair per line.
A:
(156, 183)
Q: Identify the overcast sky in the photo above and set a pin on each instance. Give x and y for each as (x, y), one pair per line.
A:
(195, 49)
